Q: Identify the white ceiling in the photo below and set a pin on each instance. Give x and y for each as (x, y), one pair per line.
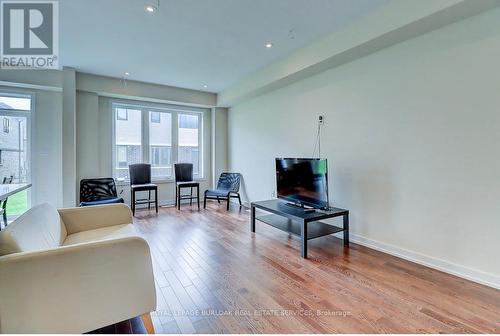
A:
(189, 43)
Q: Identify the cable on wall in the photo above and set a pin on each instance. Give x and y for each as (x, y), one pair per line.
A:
(317, 144)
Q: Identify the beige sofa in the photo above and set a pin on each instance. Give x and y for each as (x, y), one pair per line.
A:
(73, 270)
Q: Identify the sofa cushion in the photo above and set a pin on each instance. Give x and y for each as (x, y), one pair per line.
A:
(109, 232)
(37, 229)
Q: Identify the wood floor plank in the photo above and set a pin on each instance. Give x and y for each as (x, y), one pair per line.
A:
(183, 322)
(208, 262)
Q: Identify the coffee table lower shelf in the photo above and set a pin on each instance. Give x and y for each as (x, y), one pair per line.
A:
(306, 225)
(314, 229)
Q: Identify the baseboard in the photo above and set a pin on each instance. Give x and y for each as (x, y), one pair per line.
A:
(480, 277)
(243, 203)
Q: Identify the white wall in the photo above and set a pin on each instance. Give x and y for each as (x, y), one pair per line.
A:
(412, 136)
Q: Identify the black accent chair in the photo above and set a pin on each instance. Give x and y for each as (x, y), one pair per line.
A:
(228, 187)
(3, 205)
(140, 180)
(184, 179)
(98, 191)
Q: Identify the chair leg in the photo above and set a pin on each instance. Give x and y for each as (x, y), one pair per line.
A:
(4, 213)
(156, 200)
(175, 196)
(179, 198)
(239, 199)
(132, 201)
(228, 201)
(149, 199)
(218, 200)
(198, 196)
(191, 199)
(205, 200)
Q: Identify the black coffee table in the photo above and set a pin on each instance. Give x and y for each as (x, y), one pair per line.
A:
(306, 225)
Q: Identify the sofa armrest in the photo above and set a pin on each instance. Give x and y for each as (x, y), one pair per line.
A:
(77, 288)
(94, 217)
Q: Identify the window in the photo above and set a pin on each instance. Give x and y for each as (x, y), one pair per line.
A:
(161, 157)
(160, 144)
(122, 157)
(159, 135)
(15, 116)
(121, 114)
(8, 102)
(188, 121)
(128, 141)
(189, 141)
(155, 117)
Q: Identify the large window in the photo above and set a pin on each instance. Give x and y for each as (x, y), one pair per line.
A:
(189, 138)
(158, 135)
(128, 140)
(160, 144)
(15, 115)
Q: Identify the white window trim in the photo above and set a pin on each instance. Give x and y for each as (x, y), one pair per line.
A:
(174, 110)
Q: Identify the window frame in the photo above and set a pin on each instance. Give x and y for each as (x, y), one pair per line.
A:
(174, 111)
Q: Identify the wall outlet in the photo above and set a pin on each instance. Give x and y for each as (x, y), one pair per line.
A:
(321, 119)
(273, 194)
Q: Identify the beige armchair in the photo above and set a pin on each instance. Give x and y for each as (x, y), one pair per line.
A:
(73, 270)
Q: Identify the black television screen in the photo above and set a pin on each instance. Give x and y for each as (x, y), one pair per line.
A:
(303, 181)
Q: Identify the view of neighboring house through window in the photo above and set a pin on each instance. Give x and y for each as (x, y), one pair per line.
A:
(160, 144)
(128, 140)
(189, 140)
(155, 117)
(145, 134)
(15, 114)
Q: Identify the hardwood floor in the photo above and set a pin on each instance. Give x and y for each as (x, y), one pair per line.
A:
(214, 276)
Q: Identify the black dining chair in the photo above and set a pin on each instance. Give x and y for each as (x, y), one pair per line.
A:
(140, 180)
(228, 187)
(3, 204)
(184, 179)
(98, 191)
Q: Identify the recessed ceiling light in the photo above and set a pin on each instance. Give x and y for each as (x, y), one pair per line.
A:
(269, 45)
(205, 86)
(153, 6)
(127, 73)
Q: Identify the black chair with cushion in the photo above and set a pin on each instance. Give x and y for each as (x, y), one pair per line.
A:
(184, 179)
(3, 205)
(228, 187)
(98, 191)
(140, 180)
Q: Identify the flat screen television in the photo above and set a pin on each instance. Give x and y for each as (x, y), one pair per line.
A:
(303, 182)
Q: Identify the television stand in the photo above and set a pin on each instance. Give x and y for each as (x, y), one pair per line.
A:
(296, 221)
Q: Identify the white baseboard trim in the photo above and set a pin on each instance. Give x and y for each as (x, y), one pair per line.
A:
(480, 277)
